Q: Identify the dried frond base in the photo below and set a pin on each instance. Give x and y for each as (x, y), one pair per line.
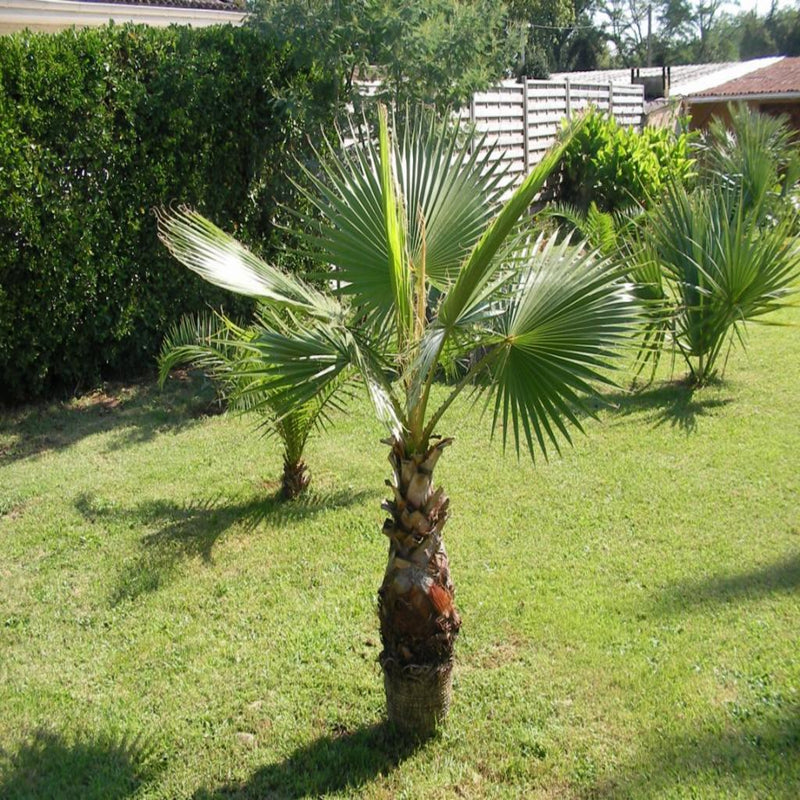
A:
(419, 622)
(295, 479)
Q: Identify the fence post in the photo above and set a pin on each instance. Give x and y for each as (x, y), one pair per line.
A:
(526, 156)
(610, 99)
(568, 97)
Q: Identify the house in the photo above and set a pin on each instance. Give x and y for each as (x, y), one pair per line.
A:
(679, 82)
(55, 15)
(772, 89)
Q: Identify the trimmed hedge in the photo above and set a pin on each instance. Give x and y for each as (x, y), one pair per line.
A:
(98, 127)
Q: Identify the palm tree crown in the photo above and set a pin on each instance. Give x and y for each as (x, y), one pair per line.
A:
(428, 272)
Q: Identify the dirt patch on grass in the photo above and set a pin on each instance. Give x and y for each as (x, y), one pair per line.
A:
(512, 649)
(13, 509)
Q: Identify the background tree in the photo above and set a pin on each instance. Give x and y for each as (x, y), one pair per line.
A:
(668, 31)
(582, 46)
(625, 26)
(775, 33)
(434, 51)
(540, 25)
(784, 25)
(692, 25)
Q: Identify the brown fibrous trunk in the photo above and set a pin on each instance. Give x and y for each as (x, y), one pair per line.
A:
(419, 622)
(295, 479)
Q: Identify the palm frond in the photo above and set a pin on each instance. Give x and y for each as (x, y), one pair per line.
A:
(401, 281)
(565, 317)
(214, 255)
(451, 187)
(481, 265)
(293, 365)
(189, 341)
(444, 190)
(488, 267)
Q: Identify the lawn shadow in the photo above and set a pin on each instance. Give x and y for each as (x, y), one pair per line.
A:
(677, 404)
(138, 411)
(743, 758)
(332, 763)
(781, 576)
(191, 530)
(49, 766)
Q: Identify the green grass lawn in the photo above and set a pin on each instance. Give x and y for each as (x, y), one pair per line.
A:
(631, 610)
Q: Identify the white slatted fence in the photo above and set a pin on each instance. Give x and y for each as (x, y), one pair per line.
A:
(521, 120)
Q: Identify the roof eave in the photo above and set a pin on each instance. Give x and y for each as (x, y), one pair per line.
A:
(738, 98)
(55, 15)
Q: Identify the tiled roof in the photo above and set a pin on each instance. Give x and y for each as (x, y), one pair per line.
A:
(208, 5)
(781, 78)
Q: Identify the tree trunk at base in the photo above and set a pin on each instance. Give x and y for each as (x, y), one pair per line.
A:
(418, 620)
(295, 479)
(418, 698)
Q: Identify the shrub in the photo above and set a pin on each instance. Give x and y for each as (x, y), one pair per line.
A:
(98, 127)
(758, 154)
(615, 167)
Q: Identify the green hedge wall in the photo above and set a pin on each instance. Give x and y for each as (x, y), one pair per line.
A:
(97, 128)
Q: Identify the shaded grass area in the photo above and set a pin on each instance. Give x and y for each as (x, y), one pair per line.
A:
(673, 403)
(343, 760)
(106, 768)
(780, 577)
(190, 530)
(140, 410)
(170, 629)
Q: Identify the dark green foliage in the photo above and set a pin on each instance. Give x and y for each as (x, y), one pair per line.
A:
(436, 52)
(97, 128)
(616, 167)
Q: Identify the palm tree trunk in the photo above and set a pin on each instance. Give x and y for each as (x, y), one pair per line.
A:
(418, 620)
(295, 478)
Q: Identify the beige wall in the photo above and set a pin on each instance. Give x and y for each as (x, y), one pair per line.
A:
(702, 113)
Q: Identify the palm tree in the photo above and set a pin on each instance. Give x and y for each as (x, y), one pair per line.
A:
(722, 267)
(430, 269)
(757, 154)
(217, 345)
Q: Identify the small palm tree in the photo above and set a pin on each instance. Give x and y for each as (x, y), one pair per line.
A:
(431, 270)
(216, 345)
(722, 267)
(709, 257)
(757, 154)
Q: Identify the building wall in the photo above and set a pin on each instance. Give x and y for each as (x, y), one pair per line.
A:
(701, 113)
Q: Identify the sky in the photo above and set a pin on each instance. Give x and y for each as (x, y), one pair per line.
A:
(760, 6)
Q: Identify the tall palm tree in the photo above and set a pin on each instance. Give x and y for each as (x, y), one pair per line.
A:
(430, 268)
